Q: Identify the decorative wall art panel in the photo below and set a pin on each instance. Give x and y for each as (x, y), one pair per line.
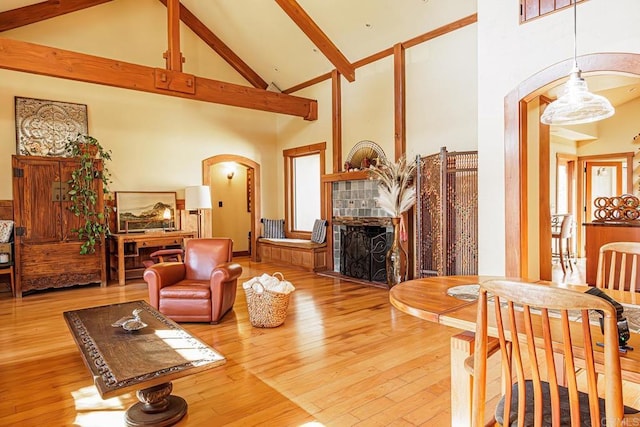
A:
(43, 127)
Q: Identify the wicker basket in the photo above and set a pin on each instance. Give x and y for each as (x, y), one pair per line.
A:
(267, 309)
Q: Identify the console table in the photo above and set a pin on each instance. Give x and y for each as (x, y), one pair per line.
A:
(128, 250)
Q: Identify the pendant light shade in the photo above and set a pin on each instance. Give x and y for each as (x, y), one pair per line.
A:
(576, 105)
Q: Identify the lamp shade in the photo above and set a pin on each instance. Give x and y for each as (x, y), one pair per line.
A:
(577, 105)
(197, 197)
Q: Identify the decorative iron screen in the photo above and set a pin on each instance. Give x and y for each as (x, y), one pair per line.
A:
(447, 214)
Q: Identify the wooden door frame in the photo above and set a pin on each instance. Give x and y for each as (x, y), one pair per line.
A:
(255, 204)
(515, 145)
(572, 167)
(580, 217)
(545, 204)
(589, 184)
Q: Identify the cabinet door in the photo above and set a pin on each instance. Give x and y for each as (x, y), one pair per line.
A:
(38, 208)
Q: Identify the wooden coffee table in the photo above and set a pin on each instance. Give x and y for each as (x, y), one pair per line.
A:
(145, 361)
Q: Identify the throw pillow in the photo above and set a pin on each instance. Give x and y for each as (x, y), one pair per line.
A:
(273, 228)
(6, 228)
(319, 233)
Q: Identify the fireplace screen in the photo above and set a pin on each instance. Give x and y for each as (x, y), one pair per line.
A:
(362, 252)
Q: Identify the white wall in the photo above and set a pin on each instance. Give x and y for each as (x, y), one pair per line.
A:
(508, 53)
(441, 94)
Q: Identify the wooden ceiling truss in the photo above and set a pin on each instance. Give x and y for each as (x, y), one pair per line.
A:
(33, 58)
(31, 14)
(45, 60)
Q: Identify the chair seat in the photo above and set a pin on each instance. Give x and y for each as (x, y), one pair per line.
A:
(187, 289)
(565, 416)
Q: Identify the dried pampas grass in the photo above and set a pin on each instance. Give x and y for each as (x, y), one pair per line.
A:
(396, 188)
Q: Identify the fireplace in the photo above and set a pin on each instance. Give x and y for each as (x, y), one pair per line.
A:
(361, 232)
(362, 252)
(361, 247)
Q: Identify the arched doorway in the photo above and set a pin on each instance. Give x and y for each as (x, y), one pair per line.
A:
(516, 144)
(254, 196)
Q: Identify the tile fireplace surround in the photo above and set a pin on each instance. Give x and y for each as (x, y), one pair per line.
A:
(354, 205)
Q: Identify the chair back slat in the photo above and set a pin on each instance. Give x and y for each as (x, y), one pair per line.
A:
(570, 371)
(535, 323)
(552, 375)
(533, 357)
(590, 365)
(634, 273)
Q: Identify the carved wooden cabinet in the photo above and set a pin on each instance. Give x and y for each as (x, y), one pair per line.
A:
(47, 252)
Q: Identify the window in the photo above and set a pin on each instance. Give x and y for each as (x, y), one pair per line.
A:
(530, 9)
(303, 167)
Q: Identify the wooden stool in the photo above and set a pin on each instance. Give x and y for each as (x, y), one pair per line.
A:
(9, 270)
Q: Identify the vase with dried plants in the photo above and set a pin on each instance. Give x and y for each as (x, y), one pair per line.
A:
(396, 195)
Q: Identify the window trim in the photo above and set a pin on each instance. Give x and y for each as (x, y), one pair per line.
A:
(289, 203)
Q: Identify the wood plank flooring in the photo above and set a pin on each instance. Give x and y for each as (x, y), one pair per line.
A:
(344, 357)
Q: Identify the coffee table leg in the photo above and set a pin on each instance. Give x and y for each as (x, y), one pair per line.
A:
(157, 407)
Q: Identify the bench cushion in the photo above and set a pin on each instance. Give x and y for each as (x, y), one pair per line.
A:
(292, 243)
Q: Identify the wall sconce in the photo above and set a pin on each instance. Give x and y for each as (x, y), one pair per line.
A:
(229, 169)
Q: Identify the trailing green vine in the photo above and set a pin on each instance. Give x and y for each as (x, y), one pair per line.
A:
(82, 192)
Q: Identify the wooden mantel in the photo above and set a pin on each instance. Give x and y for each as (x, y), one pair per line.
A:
(344, 176)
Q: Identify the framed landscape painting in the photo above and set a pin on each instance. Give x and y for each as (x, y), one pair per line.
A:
(145, 211)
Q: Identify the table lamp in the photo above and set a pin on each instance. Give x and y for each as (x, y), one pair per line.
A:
(197, 198)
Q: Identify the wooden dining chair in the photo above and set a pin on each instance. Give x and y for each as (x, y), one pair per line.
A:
(561, 235)
(547, 321)
(618, 266)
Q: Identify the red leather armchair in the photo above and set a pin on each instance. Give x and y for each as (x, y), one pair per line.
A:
(202, 289)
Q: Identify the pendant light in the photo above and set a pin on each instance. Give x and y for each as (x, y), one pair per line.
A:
(576, 105)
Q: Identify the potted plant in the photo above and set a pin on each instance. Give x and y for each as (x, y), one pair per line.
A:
(82, 190)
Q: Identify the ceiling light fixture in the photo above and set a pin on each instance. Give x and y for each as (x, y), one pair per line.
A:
(576, 105)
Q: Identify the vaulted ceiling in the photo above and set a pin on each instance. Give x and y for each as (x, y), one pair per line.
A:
(280, 45)
(283, 45)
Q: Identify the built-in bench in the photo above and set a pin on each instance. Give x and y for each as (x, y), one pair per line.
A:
(296, 252)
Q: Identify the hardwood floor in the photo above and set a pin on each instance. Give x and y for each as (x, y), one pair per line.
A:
(344, 357)
(575, 276)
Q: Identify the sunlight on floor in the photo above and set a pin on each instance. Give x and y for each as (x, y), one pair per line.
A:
(94, 411)
(187, 346)
(312, 424)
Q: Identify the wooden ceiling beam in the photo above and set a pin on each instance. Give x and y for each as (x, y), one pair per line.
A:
(318, 37)
(31, 14)
(37, 59)
(173, 55)
(202, 31)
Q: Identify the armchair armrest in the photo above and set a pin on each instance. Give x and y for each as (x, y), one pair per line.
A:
(226, 272)
(160, 275)
(224, 285)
